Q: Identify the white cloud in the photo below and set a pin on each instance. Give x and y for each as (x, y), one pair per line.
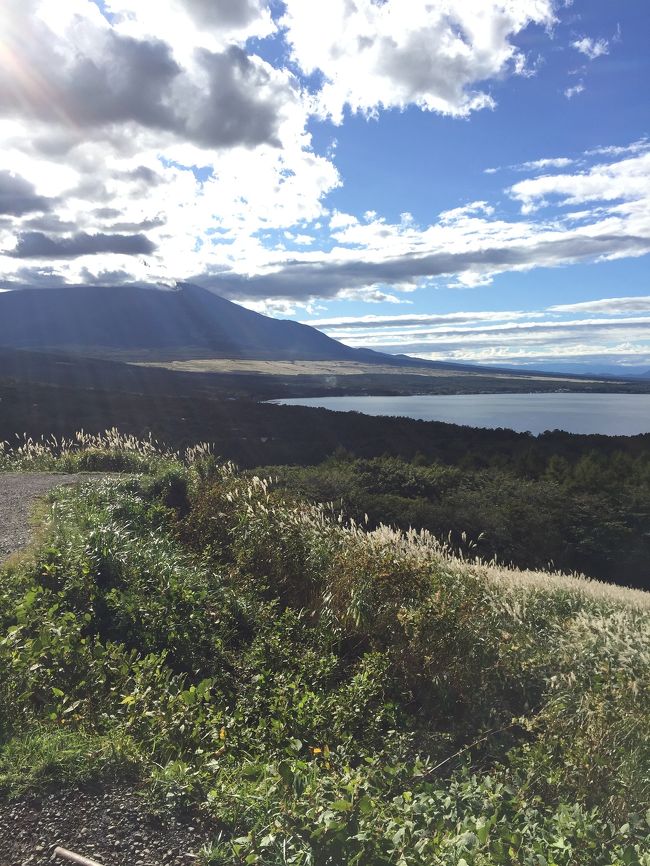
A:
(609, 306)
(540, 164)
(79, 76)
(627, 179)
(363, 323)
(591, 48)
(589, 353)
(534, 165)
(249, 192)
(277, 308)
(340, 220)
(300, 240)
(391, 54)
(136, 124)
(159, 123)
(576, 90)
(484, 340)
(507, 336)
(189, 24)
(639, 146)
(370, 295)
(469, 245)
(457, 214)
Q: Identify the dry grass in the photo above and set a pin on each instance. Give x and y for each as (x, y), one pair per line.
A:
(421, 548)
(335, 368)
(52, 453)
(292, 368)
(117, 451)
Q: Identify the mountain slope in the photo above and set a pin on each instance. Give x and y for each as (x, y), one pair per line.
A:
(149, 323)
(126, 318)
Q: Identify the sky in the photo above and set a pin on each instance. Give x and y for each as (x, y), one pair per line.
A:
(462, 181)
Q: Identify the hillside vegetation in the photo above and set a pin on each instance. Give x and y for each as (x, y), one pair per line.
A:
(589, 514)
(330, 695)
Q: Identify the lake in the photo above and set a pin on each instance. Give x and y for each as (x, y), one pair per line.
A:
(609, 414)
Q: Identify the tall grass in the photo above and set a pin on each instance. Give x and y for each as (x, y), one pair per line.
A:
(107, 451)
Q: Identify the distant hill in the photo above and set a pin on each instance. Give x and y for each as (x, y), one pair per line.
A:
(598, 370)
(182, 321)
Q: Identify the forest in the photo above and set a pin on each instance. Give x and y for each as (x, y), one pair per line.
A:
(588, 514)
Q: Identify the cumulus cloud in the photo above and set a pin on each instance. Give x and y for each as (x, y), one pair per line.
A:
(240, 102)
(471, 244)
(189, 24)
(398, 52)
(95, 77)
(224, 13)
(150, 117)
(18, 197)
(107, 79)
(36, 245)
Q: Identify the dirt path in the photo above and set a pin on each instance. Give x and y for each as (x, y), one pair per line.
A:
(18, 493)
(110, 825)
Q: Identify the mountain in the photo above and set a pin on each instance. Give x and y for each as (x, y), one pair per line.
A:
(185, 320)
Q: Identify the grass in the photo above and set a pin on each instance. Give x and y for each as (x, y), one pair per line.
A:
(49, 757)
(110, 451)
(332, 695)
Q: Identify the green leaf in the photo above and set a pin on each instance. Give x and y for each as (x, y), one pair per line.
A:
(365, 805)
(286, 773)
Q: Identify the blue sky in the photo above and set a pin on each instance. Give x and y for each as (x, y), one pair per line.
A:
(461, 181)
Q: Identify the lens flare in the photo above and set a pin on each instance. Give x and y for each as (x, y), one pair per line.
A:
(27, 85)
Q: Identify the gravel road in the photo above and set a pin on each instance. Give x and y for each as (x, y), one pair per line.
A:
(111, 826)
(18, 493)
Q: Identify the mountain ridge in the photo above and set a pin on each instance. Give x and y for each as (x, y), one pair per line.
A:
(147, 318)
(187, 321)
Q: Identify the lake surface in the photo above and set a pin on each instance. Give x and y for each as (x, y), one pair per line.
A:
(609, 414)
